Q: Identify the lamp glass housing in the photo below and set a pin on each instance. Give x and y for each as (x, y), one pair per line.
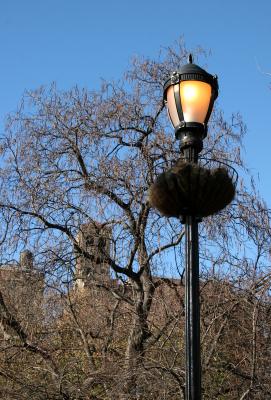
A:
(195, 100)
(171, 106)
(190, 94)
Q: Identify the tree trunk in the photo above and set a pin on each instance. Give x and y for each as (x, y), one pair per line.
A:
(139, 333)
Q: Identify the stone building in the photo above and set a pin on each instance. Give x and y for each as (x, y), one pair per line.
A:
(22, 288)
(91, 262)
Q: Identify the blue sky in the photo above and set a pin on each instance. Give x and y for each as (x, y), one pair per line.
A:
(80, 41)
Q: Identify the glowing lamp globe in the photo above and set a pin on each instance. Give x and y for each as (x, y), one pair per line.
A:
(189, 95)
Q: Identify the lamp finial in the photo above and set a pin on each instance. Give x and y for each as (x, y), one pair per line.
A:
(190, 59)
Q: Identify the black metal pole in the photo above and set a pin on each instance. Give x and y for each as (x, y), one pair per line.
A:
(192, 308)
(192, 311)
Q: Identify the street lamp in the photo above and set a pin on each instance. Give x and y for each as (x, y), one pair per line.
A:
(191, 191)
(189, 95)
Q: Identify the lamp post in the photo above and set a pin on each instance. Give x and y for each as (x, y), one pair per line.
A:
(189, 95)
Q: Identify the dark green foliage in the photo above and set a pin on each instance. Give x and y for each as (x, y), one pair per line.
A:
(190, 189)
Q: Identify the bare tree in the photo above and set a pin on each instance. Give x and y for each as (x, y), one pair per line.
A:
(70, 158)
